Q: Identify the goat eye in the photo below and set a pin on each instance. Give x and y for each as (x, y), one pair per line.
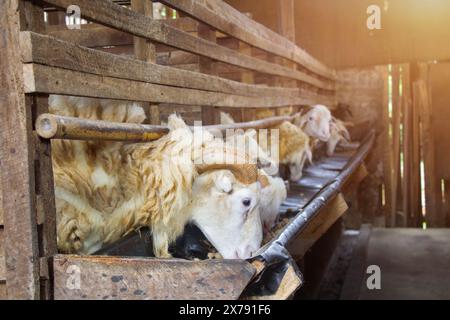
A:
(246, 202)
(311, 118)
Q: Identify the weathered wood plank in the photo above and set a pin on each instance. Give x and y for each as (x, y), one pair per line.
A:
(16, 156)
(224, 17)
(140, 278)
(146, 51)
(45, 79)
(434, 216)
(2, 258)
(45, 198)
(91, 35)
(1, 202)
(115, 16)
(95, 35)
(387, 152)
(396, 118)
(290, 283)
(318, 226)
(50, 51)
(205, 65)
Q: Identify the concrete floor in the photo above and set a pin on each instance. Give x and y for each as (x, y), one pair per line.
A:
(414, 263)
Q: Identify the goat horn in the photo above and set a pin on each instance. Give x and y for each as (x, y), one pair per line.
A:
(246, 173)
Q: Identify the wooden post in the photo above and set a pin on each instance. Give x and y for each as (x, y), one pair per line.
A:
(248, 114)
(434, 215)
(286, 27)
(407, 147)
(145, 50)
(396, 114)
(209, 114)
(415, 185)
(17, 161)
(387, 154)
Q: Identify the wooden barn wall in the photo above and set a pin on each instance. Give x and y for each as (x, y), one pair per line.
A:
(335, 31)
(439, 77)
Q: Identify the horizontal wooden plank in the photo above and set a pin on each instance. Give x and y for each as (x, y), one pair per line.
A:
(53, 52)
(115, 16)
(101, 277)
(91, 35)
(45, 79)
(96, 35)
(220, 15)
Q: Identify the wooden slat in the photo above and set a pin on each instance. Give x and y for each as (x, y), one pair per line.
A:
(387, 152)
(434, 216)
(91, 35)
(396, 117)
(1, 202)
(115, 16)
(224, 17)
(45, 79)
(141, 278)
(146, 51)
(318, 226)
(3, 291)
(407, 146)
(2, 258)
(416, 217)
(50, 51)
(16, 156)
(205, 65)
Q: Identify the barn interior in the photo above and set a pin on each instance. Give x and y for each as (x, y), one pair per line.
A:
(368, 221)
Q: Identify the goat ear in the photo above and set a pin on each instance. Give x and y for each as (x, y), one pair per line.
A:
(224, 183)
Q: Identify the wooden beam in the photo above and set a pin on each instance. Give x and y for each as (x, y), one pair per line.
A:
(52, 52)
(396, 117)
(247, 114)
(51, 126)
(113, 15)
(321, 222)
(16, 156)
(387, 152)
(225, 18)
(434, 216)
(206, 65)
(416, 217)
(146, 51)
(101, 277)
(45, 79)
(289, 284)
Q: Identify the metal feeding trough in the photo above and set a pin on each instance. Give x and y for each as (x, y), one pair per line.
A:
(272, 272)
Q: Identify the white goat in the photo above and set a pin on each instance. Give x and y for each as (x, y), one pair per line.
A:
(106, 189)
(315, 123)
(339, 136)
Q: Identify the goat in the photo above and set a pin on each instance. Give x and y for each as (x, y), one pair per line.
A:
(292, 145)
(339, 136)
(315, 123)
(103, 194)
(273, 193)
